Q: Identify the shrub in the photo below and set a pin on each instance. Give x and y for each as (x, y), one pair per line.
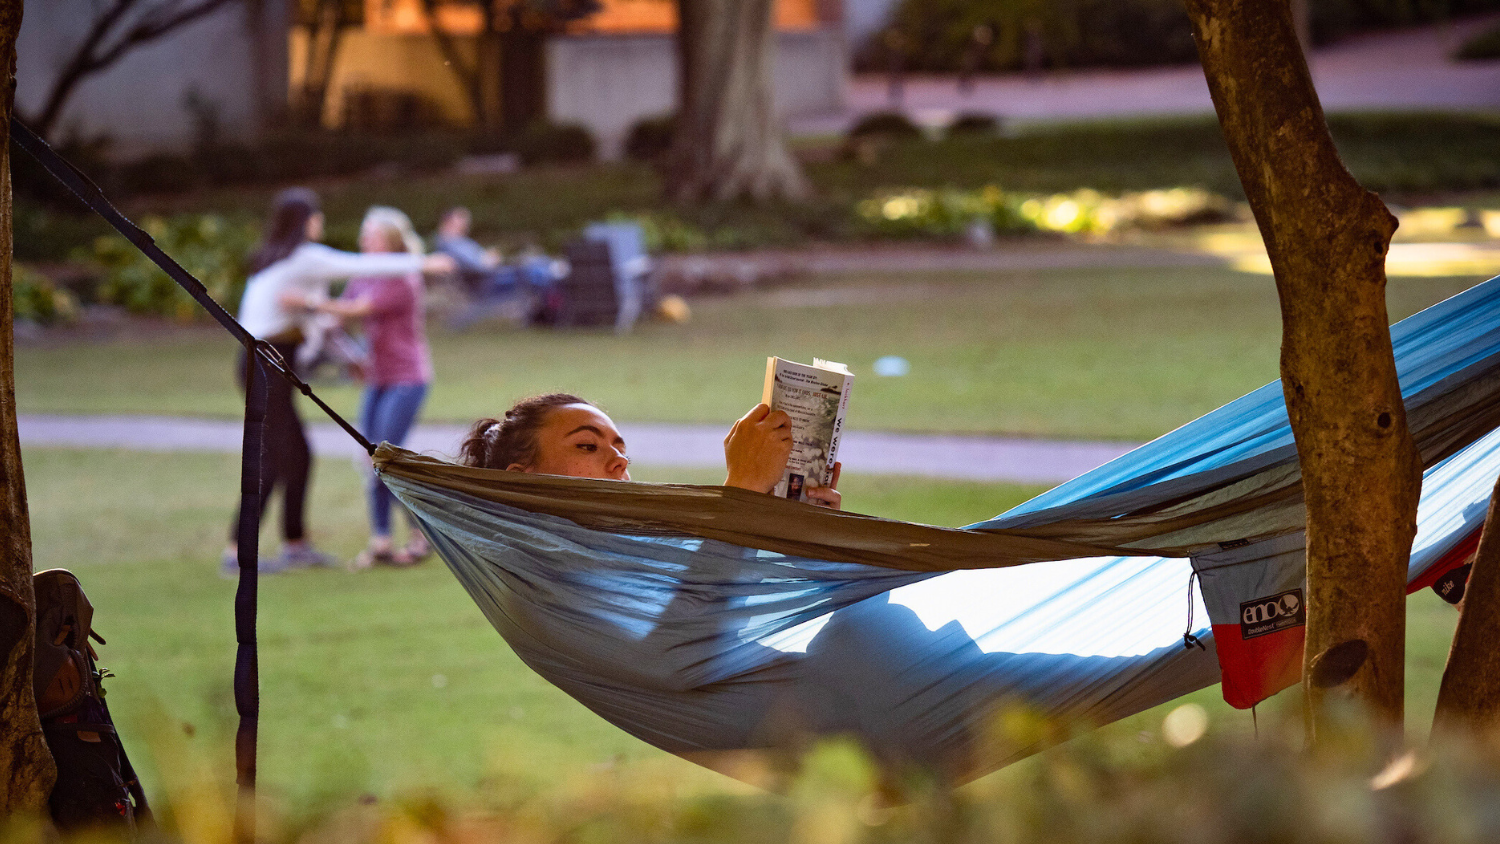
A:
(560, 143)
(37, 298)
(939, 35)
(884, 124)
(44, 234)
(31, 181)
(650, 137)
(283, 156)
(663, 231)
(294, 155)
(1485, 45)
(942, 213)
(973, 123)
(158, 173)
(207, 246)
(921, 213)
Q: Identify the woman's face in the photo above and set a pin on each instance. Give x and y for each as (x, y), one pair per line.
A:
(374, 237)
(314, 228)
(579, 441)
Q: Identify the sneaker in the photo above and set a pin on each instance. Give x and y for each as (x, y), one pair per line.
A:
(304, 557)
(229, 565)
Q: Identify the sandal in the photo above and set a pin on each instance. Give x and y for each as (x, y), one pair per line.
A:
(369, 558)
(417, 550)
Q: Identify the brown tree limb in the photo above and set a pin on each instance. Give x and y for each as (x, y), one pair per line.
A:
(1469, 697)
(324, 33)
(26, 769)
(466, 75)
(90, 56)
(1327, 239)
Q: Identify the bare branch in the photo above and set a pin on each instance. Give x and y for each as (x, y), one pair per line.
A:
(152, 27)
(467, 76)
(90, 57)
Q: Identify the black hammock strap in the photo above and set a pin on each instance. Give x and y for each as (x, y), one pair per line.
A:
(247, 655)
(260, 357)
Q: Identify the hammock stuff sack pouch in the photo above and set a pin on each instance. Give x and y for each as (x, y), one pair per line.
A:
(715, 622)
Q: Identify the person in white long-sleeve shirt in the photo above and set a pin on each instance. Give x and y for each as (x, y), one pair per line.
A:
(291, 276)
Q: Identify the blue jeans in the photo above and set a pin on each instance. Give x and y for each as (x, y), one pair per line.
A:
(386, 414)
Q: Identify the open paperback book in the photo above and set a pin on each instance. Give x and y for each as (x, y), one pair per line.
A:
(815, 397)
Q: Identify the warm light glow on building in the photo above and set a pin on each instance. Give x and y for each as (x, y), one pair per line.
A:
(618, 17)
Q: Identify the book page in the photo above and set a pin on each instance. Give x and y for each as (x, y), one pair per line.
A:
(815, 398)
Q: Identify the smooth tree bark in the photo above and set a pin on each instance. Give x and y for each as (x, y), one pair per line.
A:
(26, 769)
(118, 27)
(1469, 697)
(1327, 239)
(325, 22)
(727, 143)
(480, 78)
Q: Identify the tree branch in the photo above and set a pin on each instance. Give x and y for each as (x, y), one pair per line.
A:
(88, 58)
(467, 76)
(153, 27)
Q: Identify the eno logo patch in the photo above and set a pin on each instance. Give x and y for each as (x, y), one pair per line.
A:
(1268, 615)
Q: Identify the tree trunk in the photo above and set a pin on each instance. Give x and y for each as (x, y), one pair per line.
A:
(324, 35)
(727, 144)
(488, 87)
(523, 78)
(466, 76)
(1327, 239)
(26, 770)
(1469, 698)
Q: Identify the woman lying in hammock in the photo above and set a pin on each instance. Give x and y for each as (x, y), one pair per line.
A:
(562, 434)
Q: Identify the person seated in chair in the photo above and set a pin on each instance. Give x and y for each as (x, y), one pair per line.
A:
(477, 266)
(562, 434)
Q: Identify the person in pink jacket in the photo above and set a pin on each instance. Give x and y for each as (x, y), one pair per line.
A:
(397, 371)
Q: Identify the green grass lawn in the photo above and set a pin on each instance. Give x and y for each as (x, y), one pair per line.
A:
(1101, 353)
(390, 683)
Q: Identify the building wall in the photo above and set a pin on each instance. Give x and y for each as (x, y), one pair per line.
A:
(609, 82)
(234, 59)
(863, 18)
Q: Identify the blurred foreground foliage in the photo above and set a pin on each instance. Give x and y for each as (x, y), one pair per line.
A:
(1180, 784)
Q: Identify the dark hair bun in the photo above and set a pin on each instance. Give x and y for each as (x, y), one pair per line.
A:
(502, 443)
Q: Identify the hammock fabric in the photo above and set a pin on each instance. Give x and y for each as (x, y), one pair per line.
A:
(711, 621)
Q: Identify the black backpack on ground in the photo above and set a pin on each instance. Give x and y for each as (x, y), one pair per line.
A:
(95, 784)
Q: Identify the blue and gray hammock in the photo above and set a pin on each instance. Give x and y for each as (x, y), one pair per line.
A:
(711, 621)
(715, 622)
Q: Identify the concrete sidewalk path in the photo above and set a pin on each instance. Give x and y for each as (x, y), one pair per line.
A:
(977, 458)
